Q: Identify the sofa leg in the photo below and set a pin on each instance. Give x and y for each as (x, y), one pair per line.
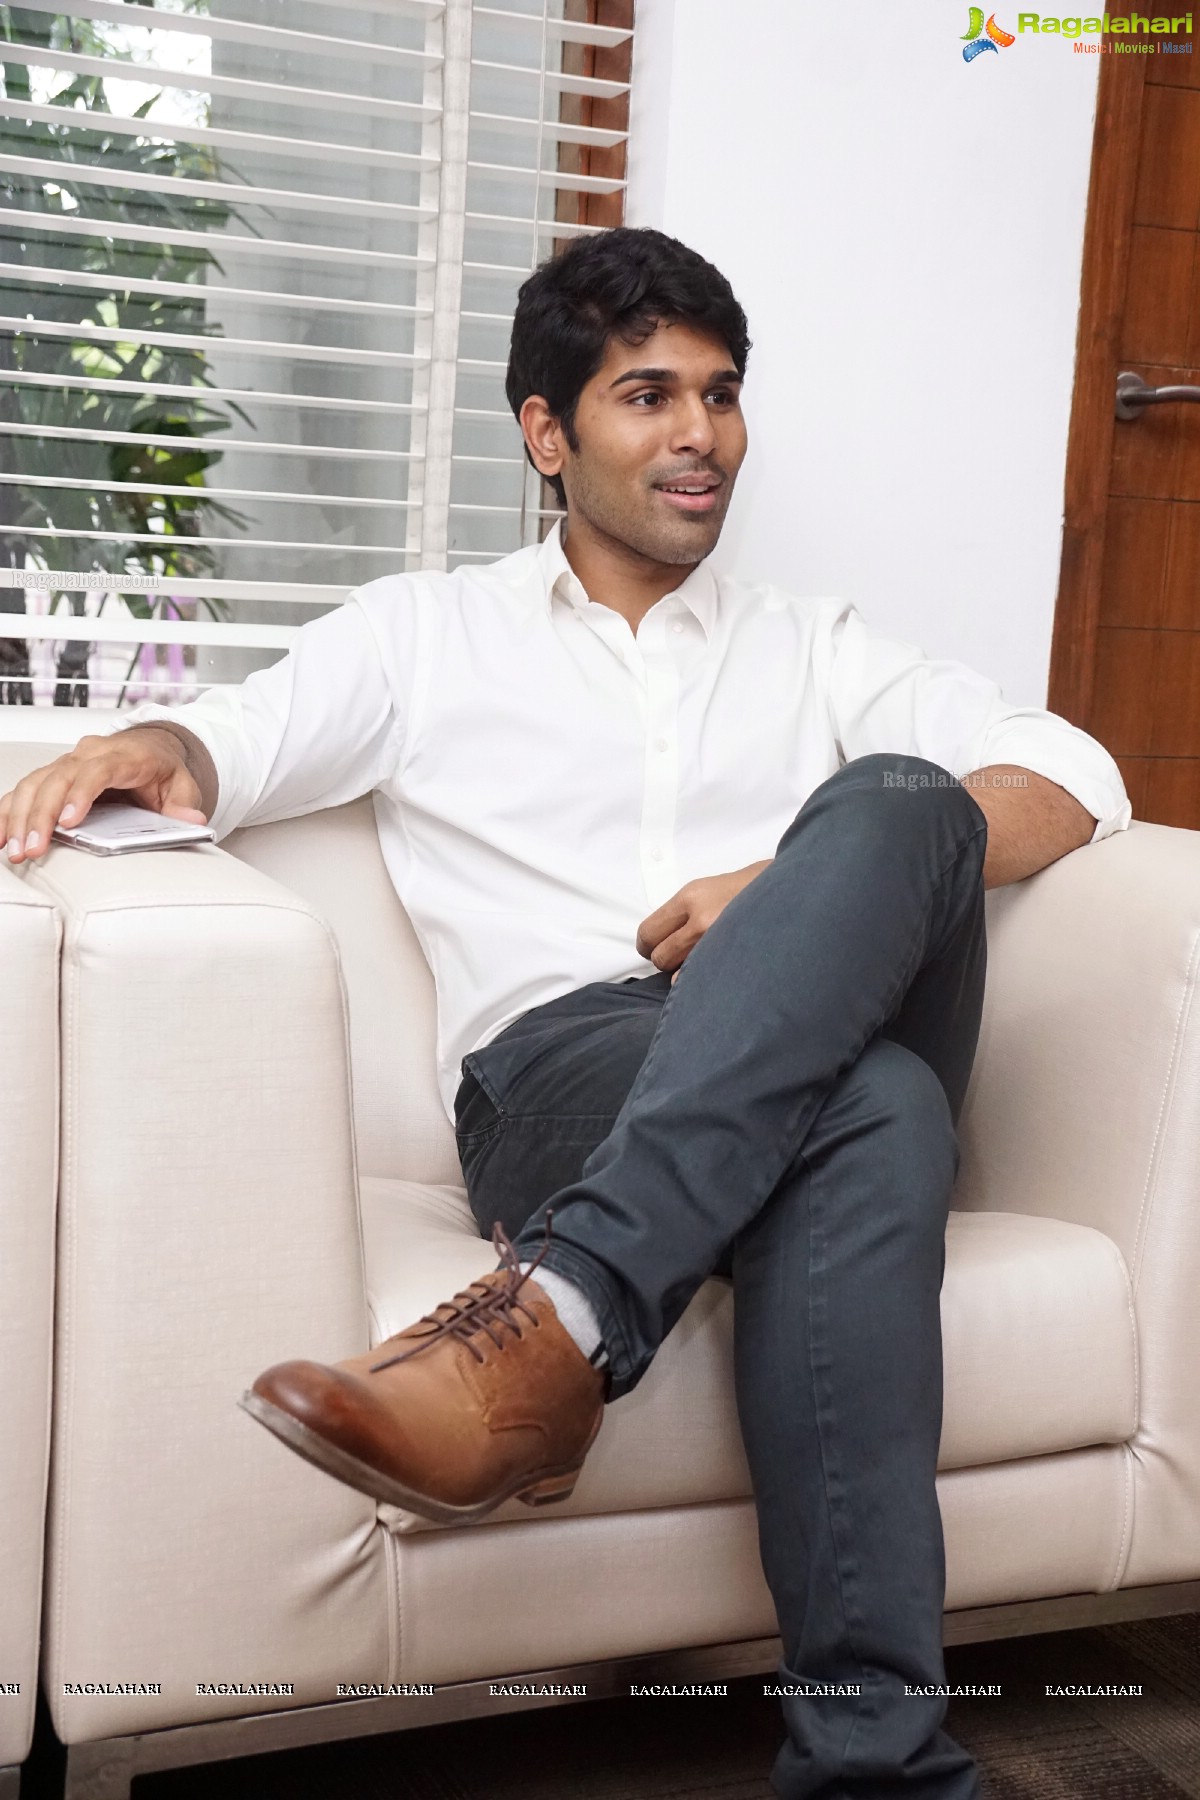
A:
(10, 1782)
(101, 1771)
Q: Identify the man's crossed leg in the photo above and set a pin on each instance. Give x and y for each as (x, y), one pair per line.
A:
(785, 1114)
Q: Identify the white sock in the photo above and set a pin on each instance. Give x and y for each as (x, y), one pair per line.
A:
(574, 1310)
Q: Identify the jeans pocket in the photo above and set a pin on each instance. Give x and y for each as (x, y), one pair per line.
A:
(478, 1112)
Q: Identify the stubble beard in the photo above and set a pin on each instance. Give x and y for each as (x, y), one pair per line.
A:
(670, 541)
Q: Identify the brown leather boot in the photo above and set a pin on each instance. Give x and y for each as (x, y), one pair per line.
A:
(485, 1398)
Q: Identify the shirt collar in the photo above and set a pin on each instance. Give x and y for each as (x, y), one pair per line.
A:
(698, 591)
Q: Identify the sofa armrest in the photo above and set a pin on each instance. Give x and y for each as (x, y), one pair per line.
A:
(29, 953)
(1084, 1101)
(209, 1226)
(1084, 1105)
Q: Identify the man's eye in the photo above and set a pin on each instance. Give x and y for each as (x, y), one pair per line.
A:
(726, 398)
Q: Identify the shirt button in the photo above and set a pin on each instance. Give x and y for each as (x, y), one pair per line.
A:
(662, 743)
(656, 854)
(677, 628)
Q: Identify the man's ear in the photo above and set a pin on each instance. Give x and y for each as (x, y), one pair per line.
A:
(543, 434)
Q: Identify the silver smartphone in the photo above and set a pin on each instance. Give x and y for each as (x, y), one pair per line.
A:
(112, 827)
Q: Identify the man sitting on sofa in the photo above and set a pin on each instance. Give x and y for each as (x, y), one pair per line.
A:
(698, 866)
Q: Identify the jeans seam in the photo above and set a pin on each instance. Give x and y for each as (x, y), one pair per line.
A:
(480, 1137)
(825, 1414)
(904, 980)
(559, 1118)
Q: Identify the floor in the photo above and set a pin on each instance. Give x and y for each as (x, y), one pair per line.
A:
(1029, 1746)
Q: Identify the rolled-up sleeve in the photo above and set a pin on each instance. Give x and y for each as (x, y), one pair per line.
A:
(885, 694)
(318, 728)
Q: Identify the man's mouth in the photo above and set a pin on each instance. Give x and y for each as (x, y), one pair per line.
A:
(698, 495)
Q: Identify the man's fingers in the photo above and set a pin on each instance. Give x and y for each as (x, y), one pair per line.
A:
(25, 831)
(17, 825)
(652, 930)
(16, 812)
(180, 798)
(59, 786)
(100, 779)
(33, 808)
(88, 785)
(671, 952)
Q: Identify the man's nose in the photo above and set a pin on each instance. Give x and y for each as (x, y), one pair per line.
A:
(693, 426)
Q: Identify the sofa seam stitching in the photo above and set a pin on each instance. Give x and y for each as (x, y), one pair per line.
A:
(395, 1617)
(1126, 1520)
(1169, 1083)
(65, 1290)
(1131, 1310)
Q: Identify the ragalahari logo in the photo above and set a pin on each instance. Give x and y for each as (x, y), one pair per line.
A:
(1111, 33)
(975, 43)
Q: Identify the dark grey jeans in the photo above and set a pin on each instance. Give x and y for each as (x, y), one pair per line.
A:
(784, 1115)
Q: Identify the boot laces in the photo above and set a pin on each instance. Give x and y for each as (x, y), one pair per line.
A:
(480, 1307)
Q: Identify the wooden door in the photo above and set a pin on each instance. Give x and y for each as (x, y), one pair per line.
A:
(1125, 661)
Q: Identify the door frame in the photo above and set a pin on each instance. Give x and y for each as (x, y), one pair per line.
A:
(1112, 188)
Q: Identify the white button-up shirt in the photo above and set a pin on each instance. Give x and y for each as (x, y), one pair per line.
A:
(544, 777)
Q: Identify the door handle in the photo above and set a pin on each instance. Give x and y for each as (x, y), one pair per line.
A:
(1133, 394)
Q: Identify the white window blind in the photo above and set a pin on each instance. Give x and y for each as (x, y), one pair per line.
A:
(258, 264)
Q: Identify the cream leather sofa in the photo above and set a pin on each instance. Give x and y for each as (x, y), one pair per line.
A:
(256, 1166)
(29, 964)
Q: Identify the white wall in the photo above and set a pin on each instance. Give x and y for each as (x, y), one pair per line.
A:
(905, 232)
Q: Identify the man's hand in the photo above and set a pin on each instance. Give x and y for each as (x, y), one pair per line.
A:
(150, 763)
(671, 933)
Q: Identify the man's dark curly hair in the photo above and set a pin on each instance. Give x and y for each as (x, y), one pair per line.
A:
(621, 283)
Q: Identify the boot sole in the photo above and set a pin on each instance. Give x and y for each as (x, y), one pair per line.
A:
(545, 1487)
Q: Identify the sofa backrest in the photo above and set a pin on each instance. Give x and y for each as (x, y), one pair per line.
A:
(332, 859)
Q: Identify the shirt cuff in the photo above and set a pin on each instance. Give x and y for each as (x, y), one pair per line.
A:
(1088, 773)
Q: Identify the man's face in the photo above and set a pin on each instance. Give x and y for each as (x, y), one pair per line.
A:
(665, 414)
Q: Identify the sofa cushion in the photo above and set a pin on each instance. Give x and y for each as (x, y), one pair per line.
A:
(1039, 1349)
